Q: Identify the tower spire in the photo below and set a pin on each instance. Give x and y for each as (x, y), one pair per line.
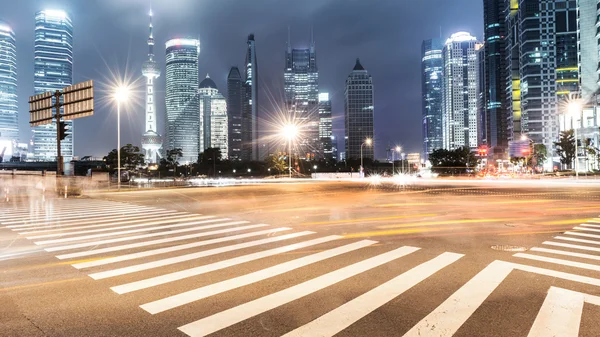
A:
(150, 38)
(289, 40)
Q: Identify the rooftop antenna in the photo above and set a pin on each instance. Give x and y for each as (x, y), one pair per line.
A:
(289, 40)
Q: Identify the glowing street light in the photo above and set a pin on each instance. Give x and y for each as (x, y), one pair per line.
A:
(367, 141)
(397, 149)
(574, 109)
(121, 95)
(290, 131)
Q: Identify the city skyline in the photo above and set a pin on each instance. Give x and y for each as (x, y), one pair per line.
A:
(337, 52)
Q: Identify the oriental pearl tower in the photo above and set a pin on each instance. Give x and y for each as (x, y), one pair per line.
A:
(151, 140)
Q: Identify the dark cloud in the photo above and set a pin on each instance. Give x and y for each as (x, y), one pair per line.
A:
(110, 36)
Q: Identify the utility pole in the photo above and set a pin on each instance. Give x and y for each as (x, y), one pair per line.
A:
(59, 161)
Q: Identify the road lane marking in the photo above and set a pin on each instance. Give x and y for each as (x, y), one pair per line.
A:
(192, 256)
(577, 240)
(589, 225)
(560, 314)
(180, 275)
(106, 221)
(566, 222)
(566, 253)
(180, 238)
(164, 250)
(50, 210)
(568, 245)
(170, 219)
(558, 261)
(250, 309)
(244, 280)
(587, 229)
(447, 318)
(583, 234)
(395, 232)
(367, 219)
(349, 313)
(209, 219)
(142, 236)
(28, 222)
(446, 222)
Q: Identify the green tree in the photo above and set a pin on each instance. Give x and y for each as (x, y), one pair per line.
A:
(565, 147)
(209, 155)
(131, 158)
(453, 161)
(277, 162)
(540, 154)
(171, 160)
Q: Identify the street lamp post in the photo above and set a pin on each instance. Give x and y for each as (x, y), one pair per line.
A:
(367, 141)
(290, 131)
(397, 149)
(120, 95)
(574, 112)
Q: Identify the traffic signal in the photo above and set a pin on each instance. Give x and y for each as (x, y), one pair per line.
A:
(62, 130)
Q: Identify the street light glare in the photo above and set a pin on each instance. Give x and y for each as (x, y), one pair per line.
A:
(369, 141)
(574, 108)
(398, 149)
(290, 131)
(122, 93)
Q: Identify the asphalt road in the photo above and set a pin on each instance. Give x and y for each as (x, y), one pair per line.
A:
(425, 258)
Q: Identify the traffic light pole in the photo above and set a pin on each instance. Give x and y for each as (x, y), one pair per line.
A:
(59, 161)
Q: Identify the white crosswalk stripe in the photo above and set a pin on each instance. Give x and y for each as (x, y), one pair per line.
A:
(242, 312)
(217, 288)
(180, 275)
(180, 238)
(196, 221)
(145, 224)
(193, 256)
(560, 314)
(142, 236)
(174, 248)
(26, 222)
(161, 241)
(104, 222)
(347, 314)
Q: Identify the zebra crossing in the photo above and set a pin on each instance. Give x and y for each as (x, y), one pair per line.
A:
(118, 242)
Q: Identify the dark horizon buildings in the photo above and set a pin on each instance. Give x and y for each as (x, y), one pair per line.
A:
(359, 113)
(301, 86)
(431, 80)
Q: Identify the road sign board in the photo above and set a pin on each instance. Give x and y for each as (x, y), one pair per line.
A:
(40, 109)
(78, 100)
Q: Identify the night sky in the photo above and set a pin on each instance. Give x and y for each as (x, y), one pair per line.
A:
(110, 38)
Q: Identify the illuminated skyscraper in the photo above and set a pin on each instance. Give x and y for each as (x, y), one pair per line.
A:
(460, 88)
(301, 86)
(359, 112)
(9, 114)
(52, 70)
(213, 118)
(325, 125)
(183, 121)
(234, 113)
(432, 68)
(251, 104)
(494, 129)
(151, 140)
(543, 36)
